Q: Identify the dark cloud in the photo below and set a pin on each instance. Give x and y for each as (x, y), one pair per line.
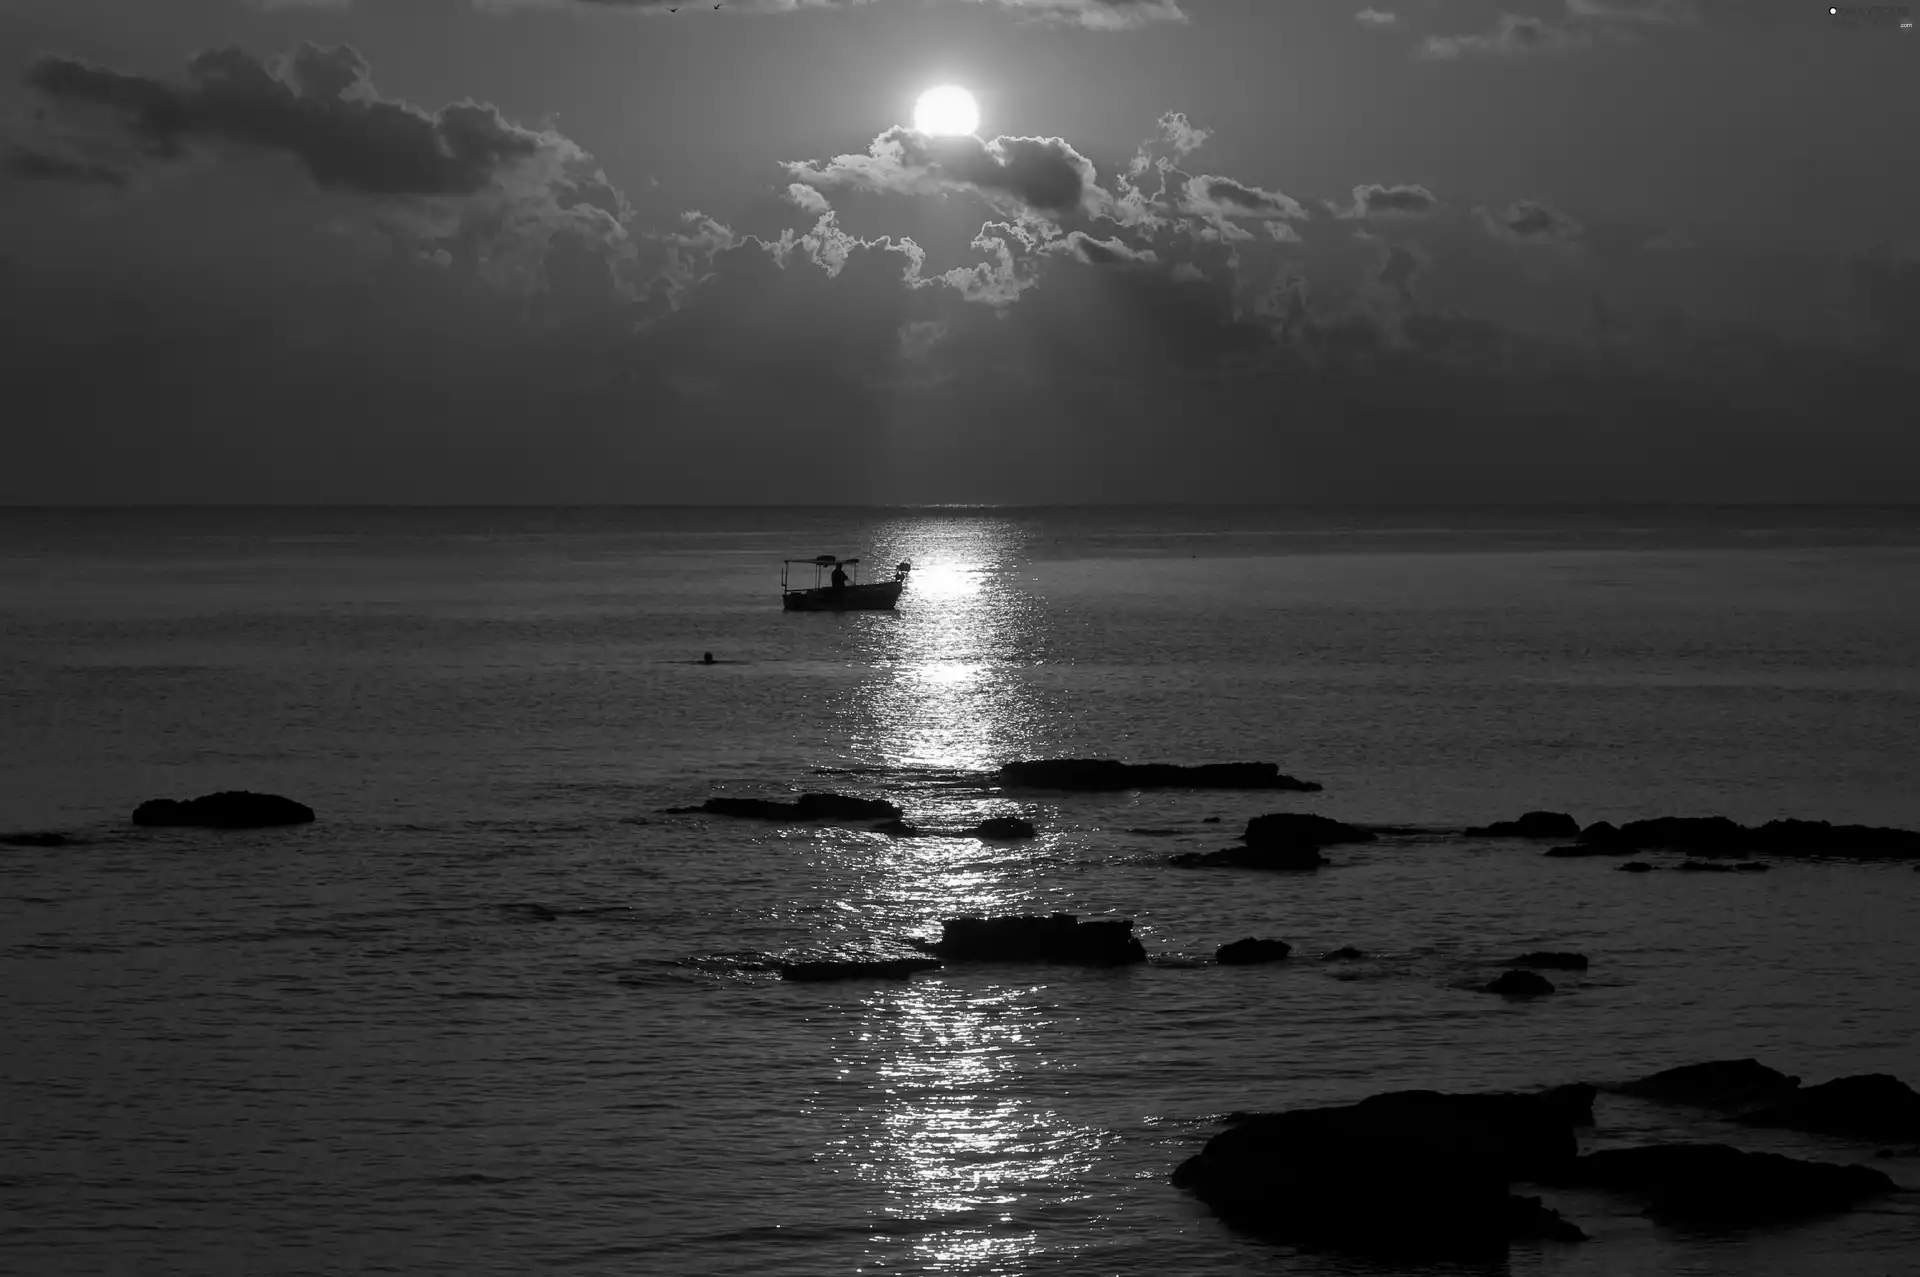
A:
(318, 106)
(1240, 200)
(1526, 221)
(1391, 201)
(1104, 252)
(1041, 173)
(1399, 269)
(42, 166)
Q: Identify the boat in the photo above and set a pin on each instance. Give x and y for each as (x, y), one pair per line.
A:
(853, 595)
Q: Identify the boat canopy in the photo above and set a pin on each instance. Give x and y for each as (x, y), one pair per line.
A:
(821, 560)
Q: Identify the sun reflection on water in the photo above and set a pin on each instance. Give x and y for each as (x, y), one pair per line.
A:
(953, 1123)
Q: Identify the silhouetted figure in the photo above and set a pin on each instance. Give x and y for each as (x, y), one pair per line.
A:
(839, 579)
(706, 658)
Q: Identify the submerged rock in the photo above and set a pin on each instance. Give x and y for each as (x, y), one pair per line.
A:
(230, 809)
(1715, 867)
(1410, 1174)
(1715, 1184)
(806, 807)
(1578, 850)
(1874, 1106)
(1004, 829)
(1345, 953)
(856, 969)
(1263, 857)
(1097, 775)
(38, 838)
(1714, 1084)
(1060, 937)
(1520, 984)
(1635, 867)
(1534, 824)
(1551, 961)
(1249, 951)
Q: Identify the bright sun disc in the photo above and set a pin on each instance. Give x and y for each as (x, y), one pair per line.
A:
(948, 110)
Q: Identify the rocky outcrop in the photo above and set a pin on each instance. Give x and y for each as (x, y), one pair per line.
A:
(856, 969)
(1790, 839)
(1534, 824)
(1520, 984)
(1004, 829)
(1635, 867)
(1872, 1106)
(1301, 829)
(1715, 1184)
(1262, 857)
(1714, 1084)
(1410, 1175)
(1105, 775)
(1549, 960)
(805, 808)
(230, 809)
(1060, 937)
(1249, 951)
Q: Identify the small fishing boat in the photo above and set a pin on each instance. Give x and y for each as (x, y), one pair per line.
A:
(837, 586)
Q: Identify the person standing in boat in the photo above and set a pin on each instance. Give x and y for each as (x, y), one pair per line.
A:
(839, 579)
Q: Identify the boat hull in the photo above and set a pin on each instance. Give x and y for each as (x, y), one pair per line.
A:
(877, 597)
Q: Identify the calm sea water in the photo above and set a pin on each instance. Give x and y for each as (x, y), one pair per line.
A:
(495, 1013)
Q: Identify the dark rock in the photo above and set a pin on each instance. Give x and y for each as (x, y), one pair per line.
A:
(1550, 961)
(1530, 1219)
(1004, 829)
(1715, 1184)
(1535, 824)
(232, 809)
(1289, 856)
(1571, 1100)
(1060, 937)
(857, 969)
(1210, 820)
(1719, 836)
(1346, 953)
(1296, 828)
(1578, 850)
(1098, 775)
(1412, 1174)
(1249, 951)
(1635, 867)
(1707, 835)
(37, 838)
(1818, 838)
(1874, 1106)
(806, 807)
(1715, 1084)
(896, 828)
(1519, 984)
(531, 909)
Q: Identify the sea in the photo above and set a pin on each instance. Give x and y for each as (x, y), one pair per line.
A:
(497, 1012)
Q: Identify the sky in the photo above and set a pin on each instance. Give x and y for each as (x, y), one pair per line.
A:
(555, 251)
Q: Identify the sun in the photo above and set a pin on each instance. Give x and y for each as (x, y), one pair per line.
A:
(948, 110)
